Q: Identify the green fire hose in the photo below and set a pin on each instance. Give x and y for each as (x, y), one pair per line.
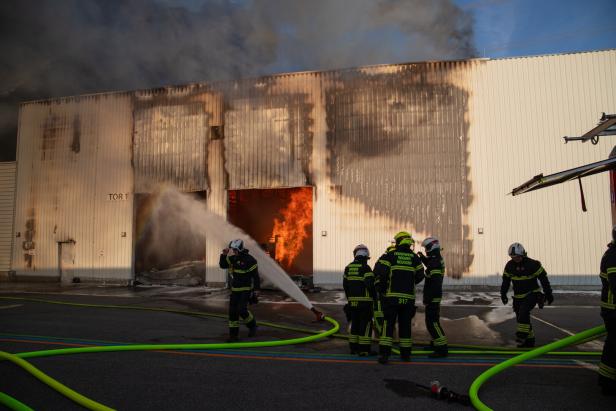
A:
(473, 392)
(18, 359)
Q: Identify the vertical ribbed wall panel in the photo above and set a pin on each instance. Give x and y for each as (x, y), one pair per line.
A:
(113, 221)
(521, 109)
(7, 209)
(265, 139)
(171, 130)
(217, 204)
(431, 148)
(58, 174)
(396, 157)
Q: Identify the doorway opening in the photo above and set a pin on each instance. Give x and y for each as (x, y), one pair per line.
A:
(280, 220)
(165, 249)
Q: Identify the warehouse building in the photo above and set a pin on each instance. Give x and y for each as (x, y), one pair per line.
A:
(312, 163)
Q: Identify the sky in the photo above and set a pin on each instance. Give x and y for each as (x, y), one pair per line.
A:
(53, 48)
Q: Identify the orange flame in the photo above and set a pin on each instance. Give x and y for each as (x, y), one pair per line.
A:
(290, 232)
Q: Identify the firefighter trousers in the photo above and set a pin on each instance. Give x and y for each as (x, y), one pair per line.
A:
(238, 307)
(607, 366)
(360, 340)
(522, 308)
(433, 325)
(379, 317)
(401, 310)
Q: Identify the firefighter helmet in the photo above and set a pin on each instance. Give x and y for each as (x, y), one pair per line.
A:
(404, 237)
(430, 244)
(361, 251)
(517, 249)
(391, 248)
(236, 245)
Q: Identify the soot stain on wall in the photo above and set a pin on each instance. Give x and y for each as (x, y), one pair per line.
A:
(398, 143)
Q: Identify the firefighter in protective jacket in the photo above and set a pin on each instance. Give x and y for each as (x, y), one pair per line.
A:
(358, 283)
(433, 293)
(402, 270)
(607, 366)
(524, 272)
(379, 317)
(245, 282)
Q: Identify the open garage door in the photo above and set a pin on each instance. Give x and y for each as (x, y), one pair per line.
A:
(280, 220)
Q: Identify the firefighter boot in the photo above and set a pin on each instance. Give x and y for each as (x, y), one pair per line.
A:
(383, 359)
(528, 343)
(252, 331)
(233, 335)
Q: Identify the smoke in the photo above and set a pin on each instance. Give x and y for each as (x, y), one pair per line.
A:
(183, 217)
(57, 48)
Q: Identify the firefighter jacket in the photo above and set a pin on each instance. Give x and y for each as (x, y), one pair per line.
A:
(379, 267)
(243, 271)
(402, 269)
(435, 270)
(358, 281)
(524, 276)
(608, 278)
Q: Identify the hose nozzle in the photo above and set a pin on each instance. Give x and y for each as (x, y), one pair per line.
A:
(320, 316)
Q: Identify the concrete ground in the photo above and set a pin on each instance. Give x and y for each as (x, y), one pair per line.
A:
(319, 375)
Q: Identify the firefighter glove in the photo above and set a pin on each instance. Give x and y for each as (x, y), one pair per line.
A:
(549, 298)
(504, 299)
(254, 298)
(540, 300)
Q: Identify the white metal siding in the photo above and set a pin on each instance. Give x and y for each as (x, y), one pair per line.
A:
(74, 173)
(521, 109)
(431, 148)
(7, 207)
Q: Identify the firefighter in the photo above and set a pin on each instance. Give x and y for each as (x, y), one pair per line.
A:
(433, 293)
(402, 270)
(524, 273)
(378, 304)
(607, 366)
(358, 283)
(245, 283)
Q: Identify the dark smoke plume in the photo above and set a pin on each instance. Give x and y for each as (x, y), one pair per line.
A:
(55, 48)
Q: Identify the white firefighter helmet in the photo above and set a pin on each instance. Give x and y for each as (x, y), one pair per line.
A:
(430, 244)
(517, 249)
(236, 245)
(361, 251)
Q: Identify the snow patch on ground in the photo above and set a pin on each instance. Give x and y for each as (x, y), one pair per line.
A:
(499, 315)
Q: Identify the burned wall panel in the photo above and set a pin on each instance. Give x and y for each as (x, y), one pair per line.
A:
(398, 144)
(63, 180)
(170, 142)
(266, 140)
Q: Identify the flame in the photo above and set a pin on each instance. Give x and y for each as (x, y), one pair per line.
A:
(290, 232)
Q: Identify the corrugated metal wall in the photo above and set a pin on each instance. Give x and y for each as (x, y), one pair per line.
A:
(75, 189)
(431, 148)
(7, 208)
(521, 109)
(171, 131)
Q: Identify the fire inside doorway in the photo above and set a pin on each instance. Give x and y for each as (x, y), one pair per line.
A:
(280, 220)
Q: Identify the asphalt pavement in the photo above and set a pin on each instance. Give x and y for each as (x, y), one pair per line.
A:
(317, 375)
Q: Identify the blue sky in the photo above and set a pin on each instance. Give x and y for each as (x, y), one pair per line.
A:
(506, 28)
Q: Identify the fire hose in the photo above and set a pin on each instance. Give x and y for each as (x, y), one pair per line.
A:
(18, 358)
(474, 390)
